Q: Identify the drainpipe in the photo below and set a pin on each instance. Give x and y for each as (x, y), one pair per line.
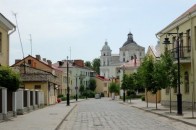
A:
(9, 42)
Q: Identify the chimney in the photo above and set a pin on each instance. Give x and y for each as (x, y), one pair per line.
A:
(60, 63)
(38, 57)
(17, 60)
(135, 57)
(49, 62)
(79, 63)
(44, 59)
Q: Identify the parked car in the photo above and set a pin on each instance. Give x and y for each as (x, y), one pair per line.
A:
(97, 96)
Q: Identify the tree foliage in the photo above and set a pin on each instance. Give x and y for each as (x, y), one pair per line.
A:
(92, 84)
(114, 88)
(9, 79)
(88, 64)
(96, 65)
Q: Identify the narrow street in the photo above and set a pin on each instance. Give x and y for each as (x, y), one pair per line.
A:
(106, 114)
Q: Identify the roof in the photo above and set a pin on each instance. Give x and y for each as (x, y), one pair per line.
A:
(131, 64)
(6, 22)
(106, 47)
(43, 62)
(155, 50)
(102, 78)
(129, 39)
(182, 16)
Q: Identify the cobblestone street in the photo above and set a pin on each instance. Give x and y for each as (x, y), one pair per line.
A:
(105, 114)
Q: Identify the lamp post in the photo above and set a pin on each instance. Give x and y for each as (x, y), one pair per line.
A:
(125, 84)
(67, 83)
(179, 95)
(76, 88)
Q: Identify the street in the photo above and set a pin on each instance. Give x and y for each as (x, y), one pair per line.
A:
(106, 114)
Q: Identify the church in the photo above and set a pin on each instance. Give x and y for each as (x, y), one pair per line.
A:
(110, 64)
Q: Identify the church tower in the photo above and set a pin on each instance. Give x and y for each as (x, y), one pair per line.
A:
(105, 60)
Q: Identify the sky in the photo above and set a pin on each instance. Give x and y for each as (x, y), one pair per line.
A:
(79, 28)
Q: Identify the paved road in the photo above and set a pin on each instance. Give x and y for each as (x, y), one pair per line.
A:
(105, 114)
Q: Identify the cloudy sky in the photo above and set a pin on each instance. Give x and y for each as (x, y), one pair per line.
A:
(84, 25)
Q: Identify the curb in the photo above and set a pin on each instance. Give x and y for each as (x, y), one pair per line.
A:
(188, 123)
(58, 126)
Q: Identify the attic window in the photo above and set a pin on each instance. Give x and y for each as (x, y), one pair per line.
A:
(29, 62)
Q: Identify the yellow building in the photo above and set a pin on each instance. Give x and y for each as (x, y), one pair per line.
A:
(184, 31)
(155, 53)
(102, 85)
(40, 74)
(6, 29)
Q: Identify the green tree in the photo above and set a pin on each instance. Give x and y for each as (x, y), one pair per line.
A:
(114, 88)
(88, 64)
(81, 89)
(171, 71)
(96, 65)
(146, 72)
(9, 79)
(92, 84)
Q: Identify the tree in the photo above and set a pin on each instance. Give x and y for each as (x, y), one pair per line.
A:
(92, 84)
(114, 88)
(146, 72)
(81, 89)
(96, 65)
(9, 79)
(88, 64)
(171, 72)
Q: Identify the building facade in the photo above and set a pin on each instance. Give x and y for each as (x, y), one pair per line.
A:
(6, 29)
(184, 33)
(110, 63)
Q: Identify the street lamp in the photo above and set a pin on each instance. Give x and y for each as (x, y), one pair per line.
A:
(179, 95)
(67, 82)
(125, 84)
(76, 88)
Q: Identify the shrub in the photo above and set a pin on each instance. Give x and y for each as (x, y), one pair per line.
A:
(143, 98)
(9, 79)
(63, 98)
(60, 95)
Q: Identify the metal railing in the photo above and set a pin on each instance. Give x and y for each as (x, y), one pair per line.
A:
(184, 52)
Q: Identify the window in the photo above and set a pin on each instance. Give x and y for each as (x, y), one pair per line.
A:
(37, 87)
(29, 62)
(175, 89)
(123, 53)
(181, 46)
(186, 82)
(105, 84)
(123, 59)
(167, 90)
(0, 42)
(188, 40)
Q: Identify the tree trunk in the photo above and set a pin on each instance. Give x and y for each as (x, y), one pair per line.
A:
(156, 100)
(170, 100)
(147, 98)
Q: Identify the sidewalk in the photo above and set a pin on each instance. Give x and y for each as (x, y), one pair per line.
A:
(47, 118)
(163, 111)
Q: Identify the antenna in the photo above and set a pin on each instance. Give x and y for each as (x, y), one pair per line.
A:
(70, 52)
(20, 40)
(19, 33)
(30, 43)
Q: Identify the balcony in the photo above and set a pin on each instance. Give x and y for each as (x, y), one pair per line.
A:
(184, 53)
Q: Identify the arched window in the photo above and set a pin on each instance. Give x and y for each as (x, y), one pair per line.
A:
(186, 82)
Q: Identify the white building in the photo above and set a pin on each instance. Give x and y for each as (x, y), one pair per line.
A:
(110, 63)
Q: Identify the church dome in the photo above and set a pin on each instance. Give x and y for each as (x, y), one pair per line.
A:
(106, 47)
(129, 39)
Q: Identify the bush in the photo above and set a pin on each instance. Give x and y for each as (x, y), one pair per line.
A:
(63, 98)
(143, 98)
(9, 79)
(60, 95)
